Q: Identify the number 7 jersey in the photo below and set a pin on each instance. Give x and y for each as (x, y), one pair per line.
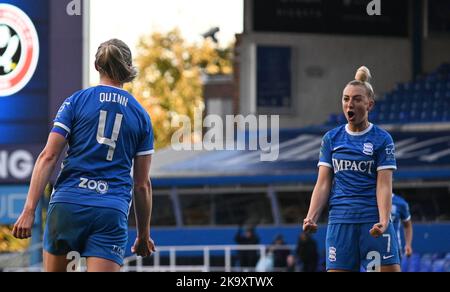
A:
(355, 159)
(106, 128)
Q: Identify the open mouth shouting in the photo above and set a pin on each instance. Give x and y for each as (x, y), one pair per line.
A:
(351, 116)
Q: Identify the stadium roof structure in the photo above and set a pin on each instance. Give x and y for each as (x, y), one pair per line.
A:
(422, 156)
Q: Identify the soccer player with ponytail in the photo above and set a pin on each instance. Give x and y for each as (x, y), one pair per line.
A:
(356, 165)
(106, 130)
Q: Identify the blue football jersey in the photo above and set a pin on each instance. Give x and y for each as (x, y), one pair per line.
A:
(106, 129)
(400, 213)
(356, 159)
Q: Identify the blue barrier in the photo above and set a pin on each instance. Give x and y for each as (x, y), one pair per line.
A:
(428, 238)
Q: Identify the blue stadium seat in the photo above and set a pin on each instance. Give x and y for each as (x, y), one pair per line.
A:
(414, 115)
(447, 266)
(438, 266)
(394, 107)
(404, 116)
(425, 116)
(383, 107)
(426, 266)
(437, 105)
(342, 119)
(408, 87)
(441, 85)
(424, 100)
(414, 263)
(332, 120)
(436, 115)
(400, 87)
(430, 85)
(405, 264)
(405, 106)
(393, 117)
(373, 116)
(425, 105)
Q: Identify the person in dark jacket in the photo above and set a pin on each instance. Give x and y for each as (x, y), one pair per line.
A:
(247, 258)
(280, 253)
(307, 252)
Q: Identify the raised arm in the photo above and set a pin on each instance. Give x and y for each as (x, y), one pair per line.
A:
(43, 169)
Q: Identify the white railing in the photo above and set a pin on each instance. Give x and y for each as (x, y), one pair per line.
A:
(21, 261)
(135, 264)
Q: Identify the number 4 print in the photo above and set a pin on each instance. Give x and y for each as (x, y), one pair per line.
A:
(101, 139)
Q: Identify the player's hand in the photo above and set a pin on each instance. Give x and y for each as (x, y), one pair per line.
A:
(143, 247)
(23, 226)
(309, 226)
(378, 230)
(408, 251)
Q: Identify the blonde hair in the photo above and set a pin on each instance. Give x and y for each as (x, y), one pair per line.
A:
(362, 78)
(114, 59)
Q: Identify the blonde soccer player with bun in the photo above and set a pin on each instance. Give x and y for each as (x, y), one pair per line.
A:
(356, 165)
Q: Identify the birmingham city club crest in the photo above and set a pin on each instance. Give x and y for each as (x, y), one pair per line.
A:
(19, 49)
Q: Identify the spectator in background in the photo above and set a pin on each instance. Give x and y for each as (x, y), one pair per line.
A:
(291, 264)
(307, 252)
(280, 253)
(247, 258)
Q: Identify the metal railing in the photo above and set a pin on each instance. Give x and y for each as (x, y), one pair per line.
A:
(136, 264)
(19, 262)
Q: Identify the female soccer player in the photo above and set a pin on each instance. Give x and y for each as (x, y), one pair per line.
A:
(355, 177)
(105, 129)
(401, 215)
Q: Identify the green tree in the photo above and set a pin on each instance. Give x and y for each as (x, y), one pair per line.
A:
(170, 79)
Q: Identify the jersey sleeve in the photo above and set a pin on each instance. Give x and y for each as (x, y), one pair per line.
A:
(386, 155)
(325, 152)
(405, 214)
(146, 146)
(64, 118)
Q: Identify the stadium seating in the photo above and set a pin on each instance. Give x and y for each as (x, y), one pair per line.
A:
(426, 263)
(426, 100)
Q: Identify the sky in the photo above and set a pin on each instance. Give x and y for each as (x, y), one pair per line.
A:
(130, 19)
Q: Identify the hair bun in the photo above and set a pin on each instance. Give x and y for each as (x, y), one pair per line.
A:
(363, 74)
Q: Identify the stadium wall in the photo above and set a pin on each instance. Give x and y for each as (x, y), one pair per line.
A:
(436, 51)
(322, 65)
(428, 238)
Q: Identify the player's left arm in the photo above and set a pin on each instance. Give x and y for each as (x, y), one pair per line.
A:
(386, 164)
(408, 229)
(43, 169)
(384, 200)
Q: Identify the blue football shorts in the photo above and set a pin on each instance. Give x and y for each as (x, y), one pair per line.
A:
(350, 246)
(90, 231)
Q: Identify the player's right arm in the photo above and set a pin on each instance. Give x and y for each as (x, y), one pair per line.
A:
(322, 189)
(144, 245)
(319, 199)
(43, 169)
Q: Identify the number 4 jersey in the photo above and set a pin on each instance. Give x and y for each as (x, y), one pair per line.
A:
(106, 129)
